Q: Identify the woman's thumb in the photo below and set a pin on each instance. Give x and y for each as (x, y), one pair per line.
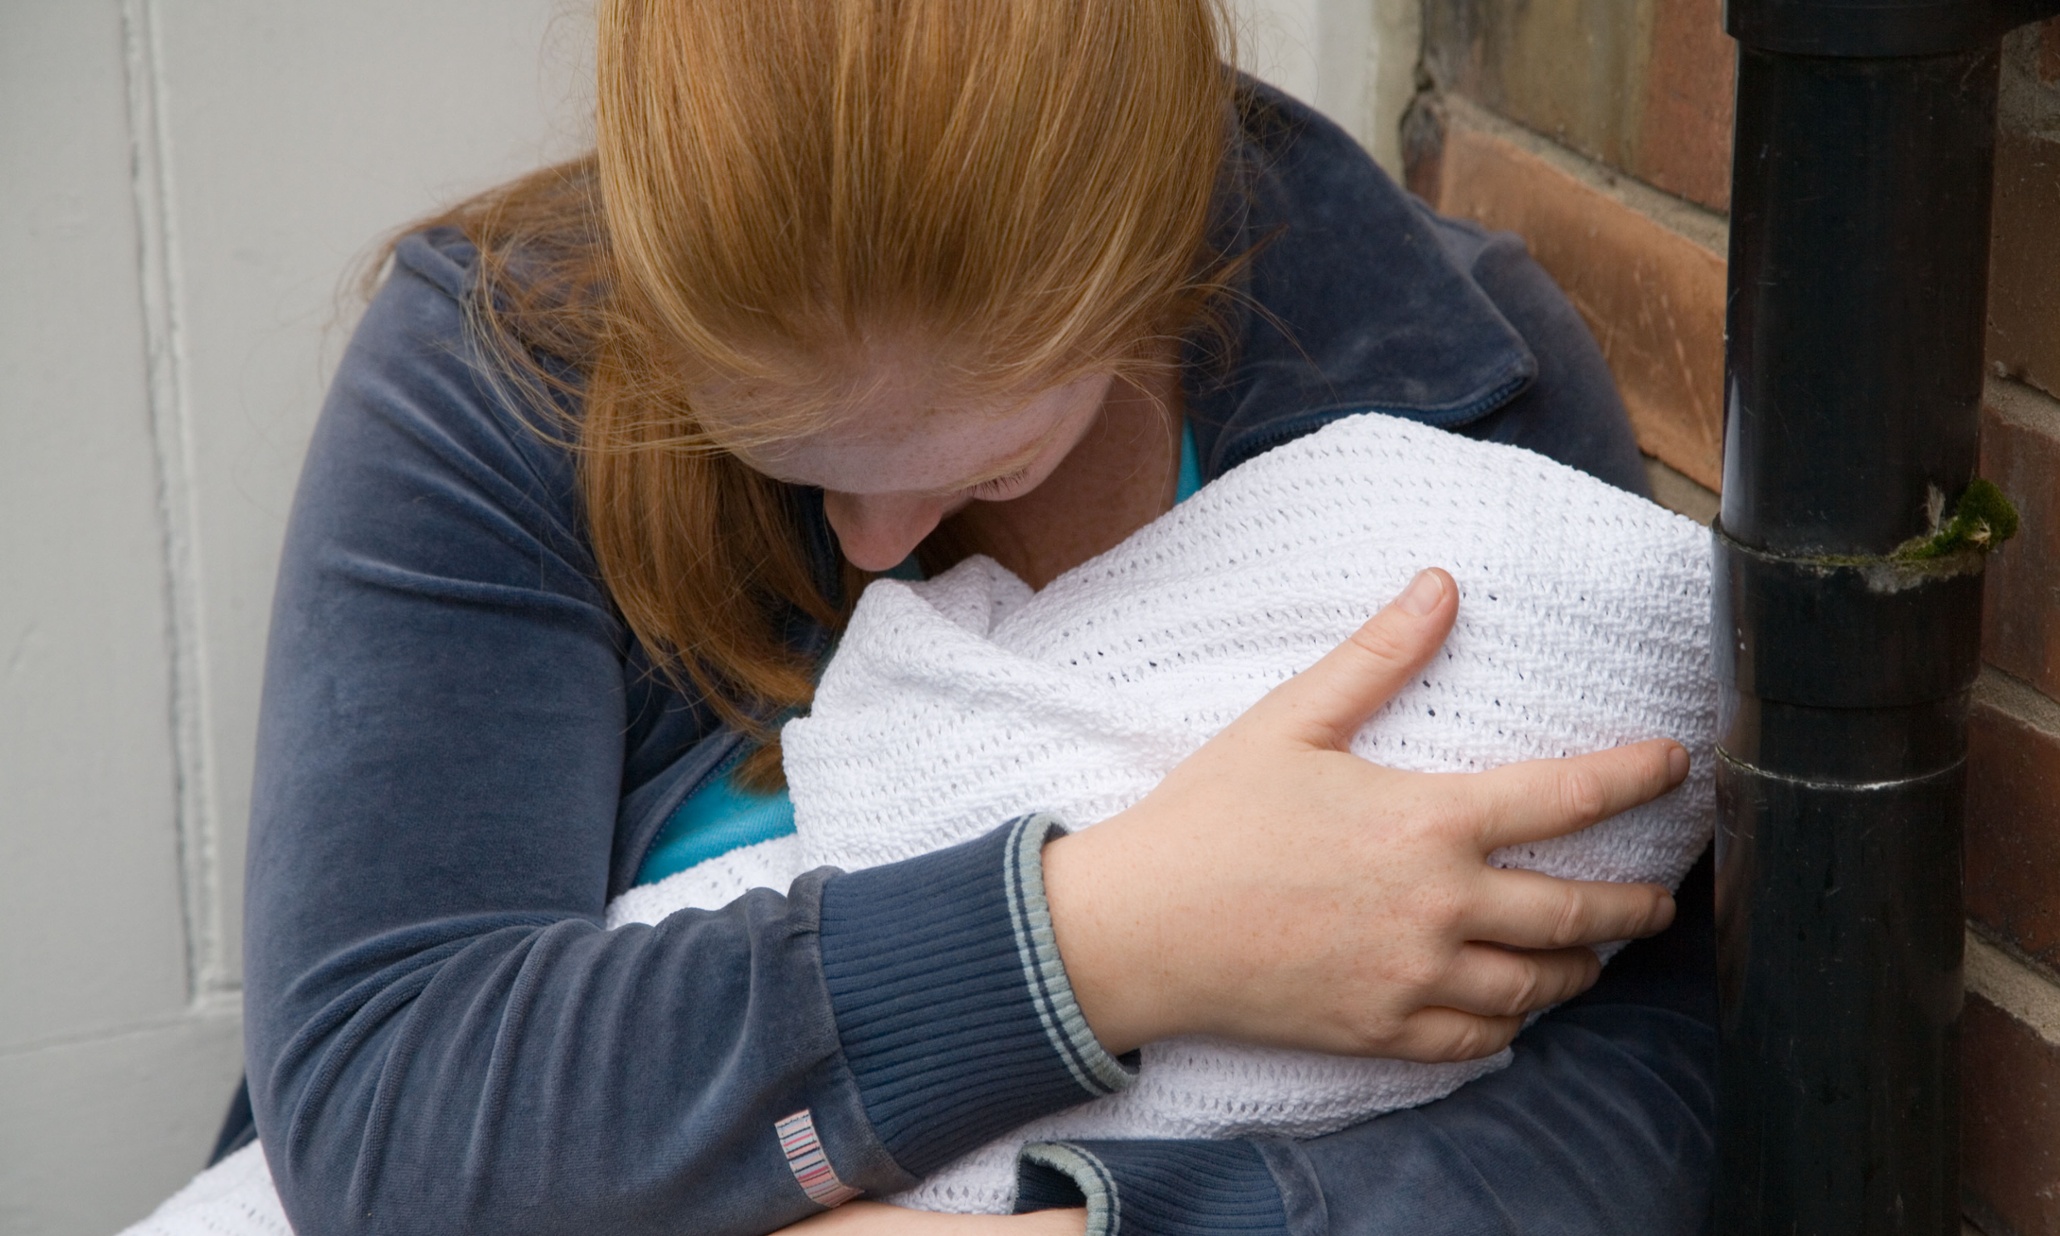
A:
(1326, 704)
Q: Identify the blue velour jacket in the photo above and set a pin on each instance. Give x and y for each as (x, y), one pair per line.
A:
(463, 755)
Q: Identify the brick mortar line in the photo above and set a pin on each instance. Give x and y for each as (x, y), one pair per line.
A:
(2030, 997)
(1696, 224)
(2018, 700)
(2023, 405)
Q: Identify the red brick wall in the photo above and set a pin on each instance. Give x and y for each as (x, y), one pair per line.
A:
(1600, 131)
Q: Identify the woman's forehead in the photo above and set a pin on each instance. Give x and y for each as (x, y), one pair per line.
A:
(898, 441)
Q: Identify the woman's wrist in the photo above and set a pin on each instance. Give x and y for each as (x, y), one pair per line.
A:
(1101, 917)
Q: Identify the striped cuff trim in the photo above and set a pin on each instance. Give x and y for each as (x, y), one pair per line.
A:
(1090, 1175)
(1091, 1065)
(805, 1158)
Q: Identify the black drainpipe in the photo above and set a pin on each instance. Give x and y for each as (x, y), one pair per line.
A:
(1848, 603)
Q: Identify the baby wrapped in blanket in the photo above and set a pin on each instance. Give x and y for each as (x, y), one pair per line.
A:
(955, 704)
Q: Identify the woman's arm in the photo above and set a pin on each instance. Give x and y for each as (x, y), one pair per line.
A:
(440, 1036)
(1603, 1123)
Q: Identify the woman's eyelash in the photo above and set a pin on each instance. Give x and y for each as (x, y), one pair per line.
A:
(1000, 483)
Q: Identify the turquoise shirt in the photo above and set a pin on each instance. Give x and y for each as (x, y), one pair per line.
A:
(722, 816)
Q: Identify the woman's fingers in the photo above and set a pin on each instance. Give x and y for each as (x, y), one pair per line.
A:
(1324, 705)
(1440, 1035)
(1524, 909)
(1484, 997)
(1495, 982)
(1550, 798)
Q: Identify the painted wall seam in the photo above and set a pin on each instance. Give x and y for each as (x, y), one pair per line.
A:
(161, 280)
(221, 1006)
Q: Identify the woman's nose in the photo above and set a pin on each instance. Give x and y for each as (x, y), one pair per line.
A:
(877, 531)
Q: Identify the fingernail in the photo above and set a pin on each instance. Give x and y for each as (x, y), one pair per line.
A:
(1423, 594)
(1677, 763)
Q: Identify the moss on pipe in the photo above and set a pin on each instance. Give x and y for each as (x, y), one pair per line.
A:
(1981, 520)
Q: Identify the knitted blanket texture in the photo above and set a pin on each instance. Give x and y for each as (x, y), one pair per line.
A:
(955, 704)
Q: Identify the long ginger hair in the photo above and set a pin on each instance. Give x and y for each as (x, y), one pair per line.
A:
(1020, 190)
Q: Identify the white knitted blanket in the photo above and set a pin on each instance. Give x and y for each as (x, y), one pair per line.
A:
(958, 703)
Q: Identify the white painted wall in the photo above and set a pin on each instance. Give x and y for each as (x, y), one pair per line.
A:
(182, 188)
(1354, 59)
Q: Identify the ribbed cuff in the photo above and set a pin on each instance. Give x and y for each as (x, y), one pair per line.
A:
(1155, 1188)
(955, 1012)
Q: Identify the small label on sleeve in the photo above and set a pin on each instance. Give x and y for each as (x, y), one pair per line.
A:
(805, 1158)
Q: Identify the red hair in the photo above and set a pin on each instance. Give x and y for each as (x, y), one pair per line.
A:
(1017, 189)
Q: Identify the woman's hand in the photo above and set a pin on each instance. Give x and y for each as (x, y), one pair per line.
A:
(1277, 889)
(878, 1219)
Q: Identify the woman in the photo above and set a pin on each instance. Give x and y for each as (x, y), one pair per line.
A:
(853, 285)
